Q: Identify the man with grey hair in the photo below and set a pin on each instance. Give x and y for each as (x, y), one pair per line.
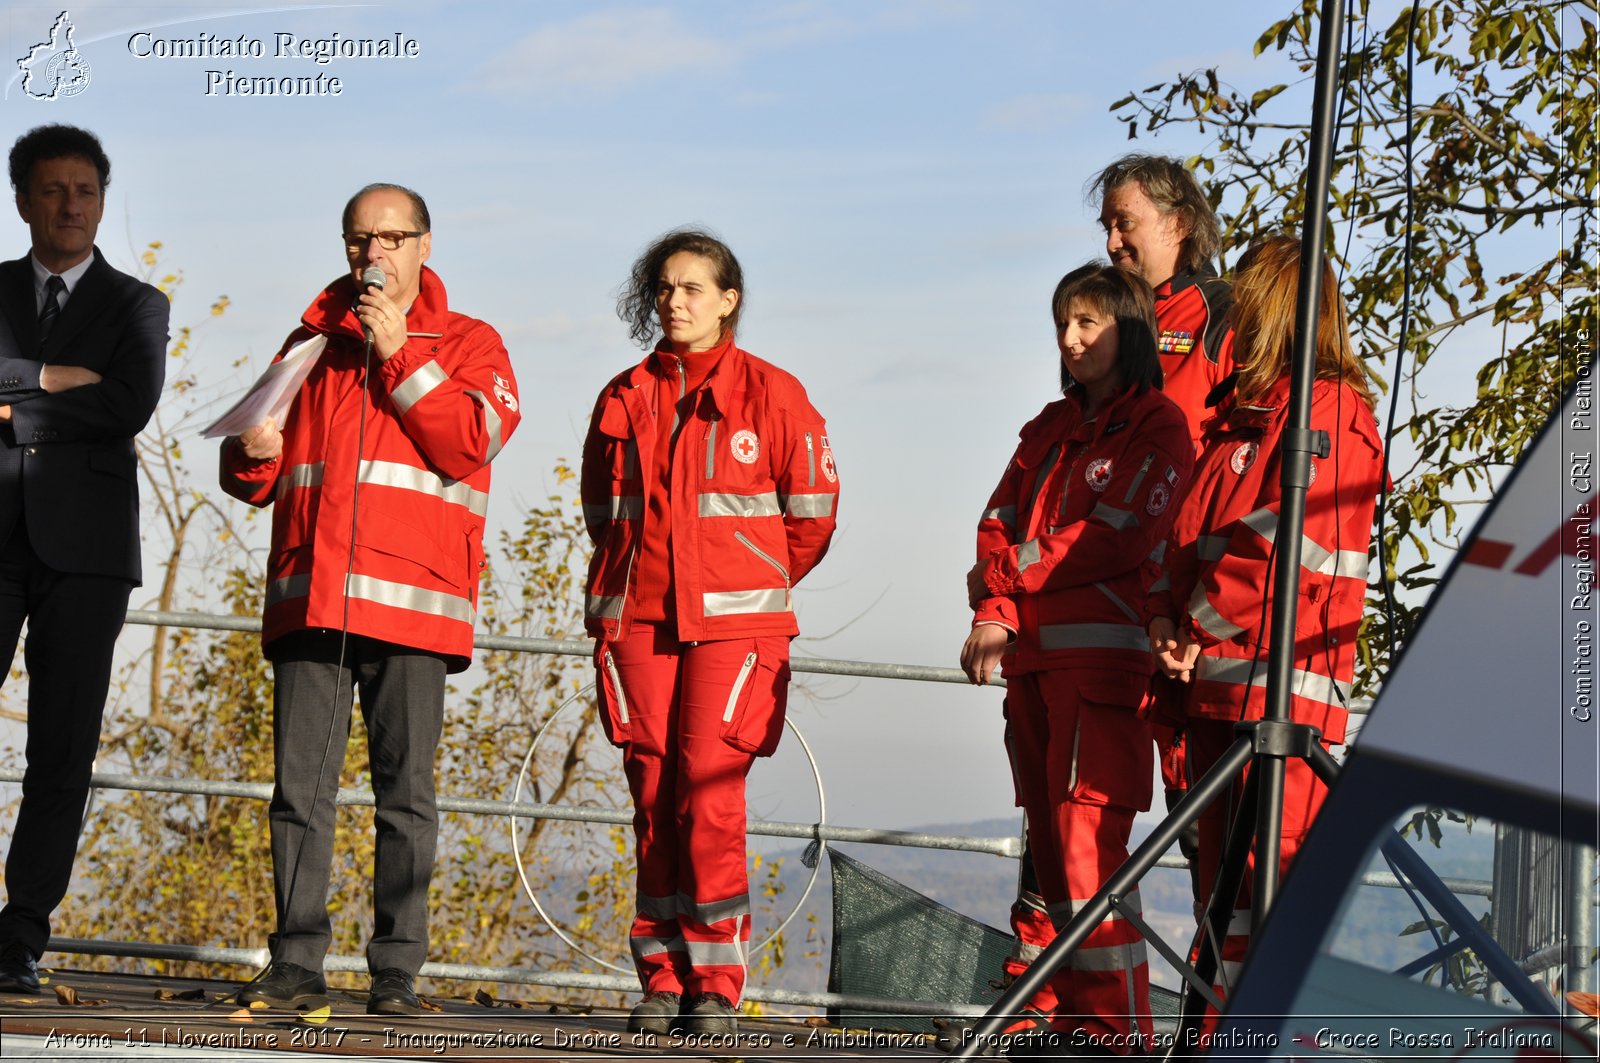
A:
(379, 479)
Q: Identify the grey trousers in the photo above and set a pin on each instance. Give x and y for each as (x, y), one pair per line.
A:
(402, 705)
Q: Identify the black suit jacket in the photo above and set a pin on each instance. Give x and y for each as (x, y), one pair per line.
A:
(67, 463)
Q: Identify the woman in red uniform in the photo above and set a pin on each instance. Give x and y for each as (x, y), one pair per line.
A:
(1210, 627)
(1066, 555)
(709, 489)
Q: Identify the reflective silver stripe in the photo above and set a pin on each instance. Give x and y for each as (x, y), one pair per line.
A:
(642, 947)
(1211, 547)
(733, 701)
(728, 504)
(1229, 969)
(1050, 459)
(1093, 637)
(405, 596)
(723, 603)
(426, 482)
(1062, 911)
(492, 423)
(711, 451)
(708, 912)
(596, 514)
(1031, 900)
(1027, 555)
(1313, 555)
(1025, 953)
(1239, 923)
(288, 587)
(1109, 958)
(811, 462)
(1163, 583)
(622, 716)
(423, 379)
(1138, 478)
(603, 606)
(1006, 515)
(808, 506)
(620, 507)
(299, 476)
(1120, 519)
(1308, 685)
(658, 907)
(715, 953)
(1211, 622)
(1159, 552)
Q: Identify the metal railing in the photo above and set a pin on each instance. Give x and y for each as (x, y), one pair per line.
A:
(1008, 846)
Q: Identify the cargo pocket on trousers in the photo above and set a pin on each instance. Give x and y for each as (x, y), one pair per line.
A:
(612, 698)
(753, 719)
(1114, 752)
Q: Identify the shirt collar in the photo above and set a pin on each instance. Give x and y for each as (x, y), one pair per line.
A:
(71, 277)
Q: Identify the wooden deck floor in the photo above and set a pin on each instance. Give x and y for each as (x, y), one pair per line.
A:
(90, 1015)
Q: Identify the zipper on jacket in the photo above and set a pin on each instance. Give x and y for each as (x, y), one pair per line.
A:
(616, 684)
(738, 685)
(811, 463)
(711, 451)
(683, 389)
(763, 555)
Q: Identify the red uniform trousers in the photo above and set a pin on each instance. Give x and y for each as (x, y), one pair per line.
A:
(691, 933)
(1083, 765)
(1303, 794)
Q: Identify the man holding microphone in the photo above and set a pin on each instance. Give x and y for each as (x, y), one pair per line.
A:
(380, 479)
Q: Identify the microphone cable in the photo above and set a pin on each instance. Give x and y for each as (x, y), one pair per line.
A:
(344, 631)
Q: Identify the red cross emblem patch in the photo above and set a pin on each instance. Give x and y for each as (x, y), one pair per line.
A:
(746, 447)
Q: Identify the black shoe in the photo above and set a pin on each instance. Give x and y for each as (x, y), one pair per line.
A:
(18, 974)
(709, 1014)
(655, 1013)
(286, 985)
(393, 994)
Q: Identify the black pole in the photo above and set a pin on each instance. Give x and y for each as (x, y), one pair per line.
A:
(1298, 446)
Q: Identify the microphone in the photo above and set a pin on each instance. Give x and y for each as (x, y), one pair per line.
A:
(372, 277)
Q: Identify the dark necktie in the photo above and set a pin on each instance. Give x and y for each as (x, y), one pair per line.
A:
(53, 289)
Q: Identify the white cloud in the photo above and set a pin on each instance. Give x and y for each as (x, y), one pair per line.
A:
(606, 51)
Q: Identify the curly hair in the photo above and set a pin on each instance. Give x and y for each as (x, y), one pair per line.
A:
(56, 142)
(636, 304)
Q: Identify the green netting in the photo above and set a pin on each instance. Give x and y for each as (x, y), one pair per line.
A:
(891, 941)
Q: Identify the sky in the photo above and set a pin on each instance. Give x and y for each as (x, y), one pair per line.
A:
(903, 181)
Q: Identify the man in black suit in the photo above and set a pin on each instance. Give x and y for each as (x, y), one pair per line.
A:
(82, 353)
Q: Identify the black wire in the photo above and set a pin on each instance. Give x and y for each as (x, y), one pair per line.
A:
(1386, 487)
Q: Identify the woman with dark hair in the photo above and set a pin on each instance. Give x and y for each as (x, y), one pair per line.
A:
(709, 489)
(1210, 627)
(1066, 554)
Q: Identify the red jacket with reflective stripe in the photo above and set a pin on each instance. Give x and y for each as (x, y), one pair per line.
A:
(1195, 343)
(1073, 533)
(437, 413)
(1219, 578)
(754, 498)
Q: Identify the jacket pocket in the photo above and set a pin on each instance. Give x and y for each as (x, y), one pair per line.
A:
(758, 697)
(1113, 760)
(612, 697)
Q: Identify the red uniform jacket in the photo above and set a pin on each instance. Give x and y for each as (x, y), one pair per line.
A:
(1074, 532)
(754, 498)
(1219, 578)
(437, 413)
(1195, 343)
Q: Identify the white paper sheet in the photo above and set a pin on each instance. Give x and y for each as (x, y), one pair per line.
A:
(271, 395)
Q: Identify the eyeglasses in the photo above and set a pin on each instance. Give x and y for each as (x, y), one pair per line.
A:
(389, 240)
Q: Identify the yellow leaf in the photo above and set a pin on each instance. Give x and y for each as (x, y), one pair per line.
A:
(317, 1016)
